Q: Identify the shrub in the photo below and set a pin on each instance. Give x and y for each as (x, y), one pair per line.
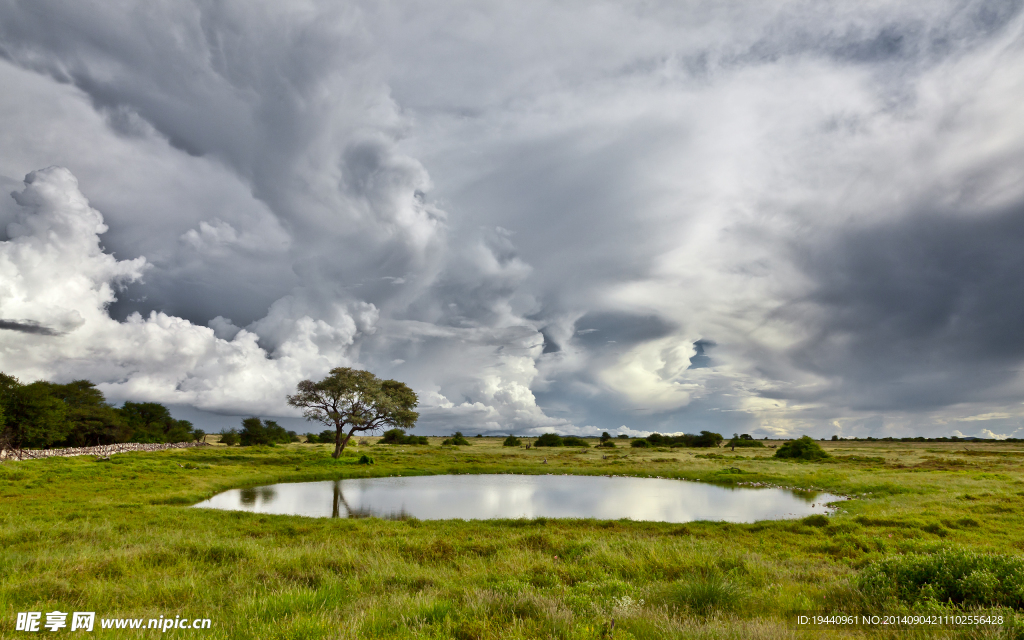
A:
(256, 432)
(458, 440)
(956, 575)
(549, 440)
(229, 437)
(573, 441)
(639, 444)
(803, 448)
(741, 442)
(511, 441)
(312, 438)
(608, 444)
(365, 459)
(398, 436)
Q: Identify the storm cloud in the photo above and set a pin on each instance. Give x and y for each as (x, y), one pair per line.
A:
(772, 218)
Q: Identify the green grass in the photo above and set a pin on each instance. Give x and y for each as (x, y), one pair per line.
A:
(116, 537)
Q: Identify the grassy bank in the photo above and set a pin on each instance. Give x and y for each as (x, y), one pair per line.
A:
(117, 537)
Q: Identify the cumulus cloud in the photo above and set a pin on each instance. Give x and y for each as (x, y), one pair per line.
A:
(56, 274)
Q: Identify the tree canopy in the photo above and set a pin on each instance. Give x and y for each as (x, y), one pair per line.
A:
(352, 400)
(44, 414)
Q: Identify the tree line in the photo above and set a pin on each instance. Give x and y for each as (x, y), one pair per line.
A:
(42, 415)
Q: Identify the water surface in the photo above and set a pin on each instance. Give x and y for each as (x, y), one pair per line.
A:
(481, 497)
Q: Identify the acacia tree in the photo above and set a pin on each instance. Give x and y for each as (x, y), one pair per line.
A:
(357, 401)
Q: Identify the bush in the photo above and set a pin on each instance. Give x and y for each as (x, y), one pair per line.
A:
(229, 437)
(608, 444)
(256, 432)
(573, 441)
(739, 442)
(511, 441)
(639, 444)
(549, 440)
(397, 436)
(803, 448)
(458, 440)
(955, 575)
(365, 459)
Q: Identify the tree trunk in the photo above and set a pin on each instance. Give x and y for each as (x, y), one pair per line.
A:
(340, 442)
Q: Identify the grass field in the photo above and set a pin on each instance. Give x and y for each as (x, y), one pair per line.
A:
(117, 537)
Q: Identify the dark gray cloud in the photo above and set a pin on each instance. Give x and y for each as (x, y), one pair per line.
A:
(921, 313)
(535, 212)
(27, 327)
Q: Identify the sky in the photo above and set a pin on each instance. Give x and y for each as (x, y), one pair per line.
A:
(774, 218)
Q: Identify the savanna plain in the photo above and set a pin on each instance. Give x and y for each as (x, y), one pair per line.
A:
(930, 527)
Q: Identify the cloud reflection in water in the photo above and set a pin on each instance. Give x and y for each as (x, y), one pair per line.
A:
(477, 497)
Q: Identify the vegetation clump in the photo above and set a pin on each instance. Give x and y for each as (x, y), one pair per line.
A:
(511, 441)
(398, 436)
(574, 441)
(803, 448)
(457, 440)
(744, 440)
(266, 432)
(955, 575)
(327, 436)
(705, 439)
(229, 437)
(703, 595)
(43, 414)
(549, 440)
(639, 444)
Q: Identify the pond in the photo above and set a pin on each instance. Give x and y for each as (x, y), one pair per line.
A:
(481, 497)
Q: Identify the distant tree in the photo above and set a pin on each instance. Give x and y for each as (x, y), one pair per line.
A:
(398, 436)
(33, 417)
(458, 440)
(511, 441)
(312, 438)
(91, 420)
(605, 437)
(639, 444)
(229, 437)
(549, 440)
(740, 442)
(351, 400)
(574, 441)
(708, 439)
(151, 422)
(479, 435)
(803, 448)
(622, 436)
(746, 436)
(199, 435)
(266, 432)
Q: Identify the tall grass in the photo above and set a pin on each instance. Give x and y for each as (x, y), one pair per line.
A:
(117, 537)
